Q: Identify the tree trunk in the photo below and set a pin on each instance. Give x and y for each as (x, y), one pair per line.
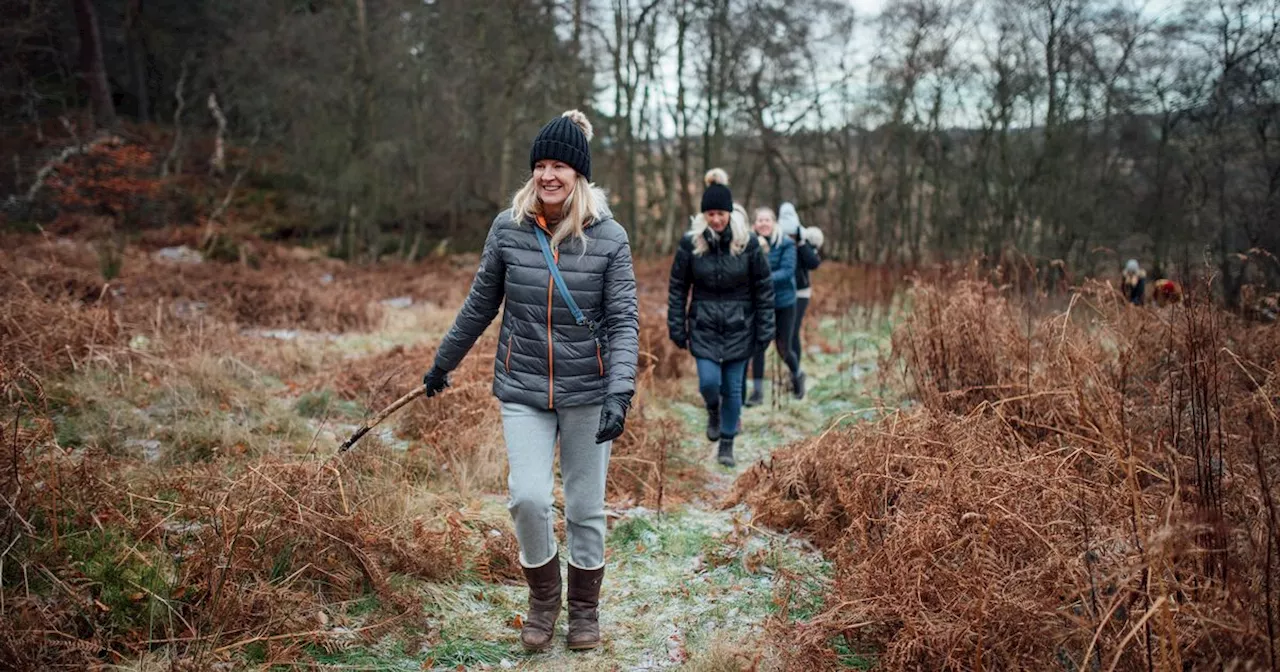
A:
(93, 71)
(682, 109)
(712, 56)
(138, 55)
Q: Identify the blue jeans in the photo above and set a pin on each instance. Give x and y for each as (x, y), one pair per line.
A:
(721, 385)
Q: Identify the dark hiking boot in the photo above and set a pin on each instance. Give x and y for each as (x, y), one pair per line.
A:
(757, 394)
(544, 605)
(713, 423)
(797, 384)
(584, 613)
(725, 458)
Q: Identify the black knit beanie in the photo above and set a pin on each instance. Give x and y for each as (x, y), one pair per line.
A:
(717, 196)
(565, 139)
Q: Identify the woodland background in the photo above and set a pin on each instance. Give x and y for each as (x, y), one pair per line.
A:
(1085, 131)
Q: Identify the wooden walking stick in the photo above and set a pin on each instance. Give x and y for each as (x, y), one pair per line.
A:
(382, 415)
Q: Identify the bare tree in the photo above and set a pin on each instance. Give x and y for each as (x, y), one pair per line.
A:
(93, 72)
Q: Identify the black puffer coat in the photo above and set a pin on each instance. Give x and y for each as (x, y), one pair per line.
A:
(544, 358)
(807, 259)
(731, 314)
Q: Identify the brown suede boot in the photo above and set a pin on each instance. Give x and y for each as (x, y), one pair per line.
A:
(584, 598)
(544, 605)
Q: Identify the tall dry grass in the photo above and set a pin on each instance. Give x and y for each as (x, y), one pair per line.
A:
(1088, 488)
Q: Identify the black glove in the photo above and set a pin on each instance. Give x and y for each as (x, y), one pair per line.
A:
(613, 415)
(435, 381)
(682, 343)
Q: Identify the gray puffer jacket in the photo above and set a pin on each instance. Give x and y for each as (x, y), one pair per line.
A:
(544, 358)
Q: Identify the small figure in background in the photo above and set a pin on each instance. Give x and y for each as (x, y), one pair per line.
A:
(808, 240)
(1135, 282)
(1166, 292)
(782, 263)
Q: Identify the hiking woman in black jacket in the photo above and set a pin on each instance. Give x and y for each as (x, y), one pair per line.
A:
(730, 317)
(557, 378)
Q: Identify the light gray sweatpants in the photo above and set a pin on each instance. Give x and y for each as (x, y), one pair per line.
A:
(530, 434)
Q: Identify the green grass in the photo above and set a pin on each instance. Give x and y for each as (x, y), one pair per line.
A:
(463, 652)
(360, 658)
(130, 578)
(848, 658)
(317, 405)
(632, 531)
(197, 412)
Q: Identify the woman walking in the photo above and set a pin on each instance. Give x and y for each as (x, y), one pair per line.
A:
(730, 316)
(782, 264)
(560, 266)
(1134, 282)
(808, 241)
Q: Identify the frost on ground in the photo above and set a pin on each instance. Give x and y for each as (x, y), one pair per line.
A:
(691, 587)
(682, 587)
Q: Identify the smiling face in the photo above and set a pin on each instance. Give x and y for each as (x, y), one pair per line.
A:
(555, 181)
(765, 223)
(717, 220)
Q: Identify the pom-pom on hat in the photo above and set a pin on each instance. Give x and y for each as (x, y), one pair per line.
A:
(565, 139)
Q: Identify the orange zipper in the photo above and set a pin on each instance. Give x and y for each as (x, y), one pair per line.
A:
(510, 341)
(599, 359)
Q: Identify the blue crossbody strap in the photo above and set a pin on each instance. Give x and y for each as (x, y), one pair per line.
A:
(550, 258)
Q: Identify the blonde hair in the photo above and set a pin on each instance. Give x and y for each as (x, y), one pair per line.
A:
(586, 203)
(775, 237)
(739, 231)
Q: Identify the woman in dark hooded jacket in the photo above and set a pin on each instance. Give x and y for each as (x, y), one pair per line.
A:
(730, 317)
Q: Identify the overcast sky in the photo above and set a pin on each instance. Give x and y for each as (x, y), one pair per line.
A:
(961, 110)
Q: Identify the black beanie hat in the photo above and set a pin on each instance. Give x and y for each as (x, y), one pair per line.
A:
(565, 139)
(717, 196)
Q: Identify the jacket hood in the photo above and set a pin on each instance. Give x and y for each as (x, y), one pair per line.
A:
(603, 212)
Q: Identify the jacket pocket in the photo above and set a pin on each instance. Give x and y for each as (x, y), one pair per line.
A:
(511, 344)
(599, 359)
(736, 319)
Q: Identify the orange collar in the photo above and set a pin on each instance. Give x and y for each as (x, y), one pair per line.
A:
(542, 223)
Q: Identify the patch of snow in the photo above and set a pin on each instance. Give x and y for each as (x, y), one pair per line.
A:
(182, 527)
(186, 309)
(399, 302)
(150, 448)
(278, 334)
(179, 255)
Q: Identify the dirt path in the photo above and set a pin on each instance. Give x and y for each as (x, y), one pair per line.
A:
(676, 582)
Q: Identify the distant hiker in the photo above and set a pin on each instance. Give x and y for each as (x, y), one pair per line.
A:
(557, 376)
(1135, 282)
(782, 265)
(808, 240)
(730, 316)
(1166, 292)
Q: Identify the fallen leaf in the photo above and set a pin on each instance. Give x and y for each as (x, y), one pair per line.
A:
(518, 622)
